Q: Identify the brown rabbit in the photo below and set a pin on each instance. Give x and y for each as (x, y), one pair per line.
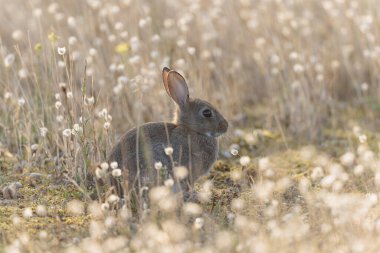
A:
(192, 136)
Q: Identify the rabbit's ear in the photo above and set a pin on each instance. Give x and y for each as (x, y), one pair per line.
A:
(177, 88)
(165, 74)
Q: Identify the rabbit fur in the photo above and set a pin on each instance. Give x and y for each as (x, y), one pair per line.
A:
(192, 136)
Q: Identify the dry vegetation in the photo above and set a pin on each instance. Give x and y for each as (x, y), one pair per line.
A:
(297, 80)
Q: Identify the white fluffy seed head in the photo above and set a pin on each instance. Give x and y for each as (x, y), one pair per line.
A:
(234, 152)
(21, 102)
(198, 223)
(158, 165)
(61, 50)
(34, 147)
(269, 173)
(168, 204)
(264, 190)
(95, 210)
(359, 169)
(41, 211)
(168, 151)
(205, 193)
(90, 100)
(9, 59)
(61, 64)
(104, 166)
(298, 68)
(158, 193)
(237, 204)
(347, 159)
(66, 133)
(27, 213)
(8, 95)
(337, 186)
(191, 50)
(16, 220)
(327, 181)
(72, 40)
(317, 173)
(245, 160)
(114, 165)
(192, 209)
(125, 213)
(24, 238)
(283, 184)
(107, 125)
(109, 222)
(264, 164)
(236, 175)
(77, 128)
(116, 173)
(99, 173)
(43, 235)
(208, 185)
(23, 73)
(75, 207)
(169, 182)
(43, 131)
(368, 157)
(62, 85)
(105, 207)
(59, 118)
(362, 138)
(113, 199)
(180, 172)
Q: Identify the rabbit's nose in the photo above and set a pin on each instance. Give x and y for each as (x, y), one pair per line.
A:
(223, 126)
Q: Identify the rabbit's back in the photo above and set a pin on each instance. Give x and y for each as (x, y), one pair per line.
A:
(190, 149)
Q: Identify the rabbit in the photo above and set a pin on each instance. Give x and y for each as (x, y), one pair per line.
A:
(192, 135)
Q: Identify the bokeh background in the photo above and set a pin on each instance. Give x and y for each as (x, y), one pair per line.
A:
(297, 80)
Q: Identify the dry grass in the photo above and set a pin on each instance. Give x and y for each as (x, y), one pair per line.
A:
(75, 75)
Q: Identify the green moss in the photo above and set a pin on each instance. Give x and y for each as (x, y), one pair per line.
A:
(50, 194)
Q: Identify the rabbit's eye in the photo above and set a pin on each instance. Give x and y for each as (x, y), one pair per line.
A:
(207, 113)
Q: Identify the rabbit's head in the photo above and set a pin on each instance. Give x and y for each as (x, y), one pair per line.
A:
(196, 114)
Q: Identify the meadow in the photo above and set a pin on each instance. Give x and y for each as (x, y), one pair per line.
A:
(298, 82)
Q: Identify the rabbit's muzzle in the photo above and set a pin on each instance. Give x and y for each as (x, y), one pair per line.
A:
(223, 126)
(221, 129)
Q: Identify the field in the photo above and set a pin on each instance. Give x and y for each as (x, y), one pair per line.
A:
(298, 81)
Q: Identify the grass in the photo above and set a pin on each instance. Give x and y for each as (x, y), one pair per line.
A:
(68, 229)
